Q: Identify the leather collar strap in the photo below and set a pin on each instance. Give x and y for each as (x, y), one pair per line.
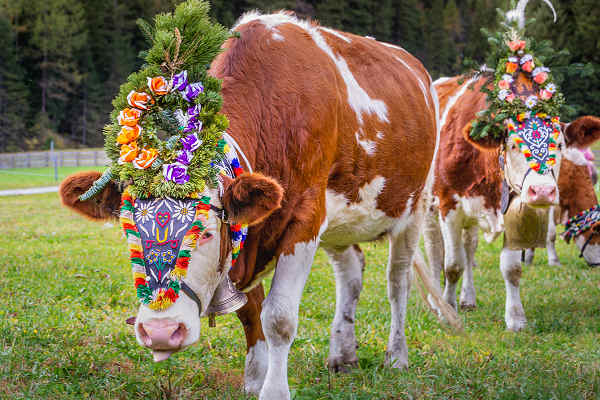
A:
(188, 290)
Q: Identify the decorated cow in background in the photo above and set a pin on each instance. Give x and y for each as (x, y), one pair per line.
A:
(321, 127)
(498, 168)
(578, 209)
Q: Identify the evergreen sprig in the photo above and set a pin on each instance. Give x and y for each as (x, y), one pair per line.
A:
(186, 39)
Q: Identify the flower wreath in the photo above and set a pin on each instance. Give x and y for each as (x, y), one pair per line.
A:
(582, 222)
(503, 102)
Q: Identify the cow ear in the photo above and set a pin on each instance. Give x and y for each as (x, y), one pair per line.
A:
(582, 132)
(484, 144)
(104, 205)
(251, 197)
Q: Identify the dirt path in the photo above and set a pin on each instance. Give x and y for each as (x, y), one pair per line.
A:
(38, 190)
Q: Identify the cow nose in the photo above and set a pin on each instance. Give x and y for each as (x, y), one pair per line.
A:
(162, 334)
(542, 195)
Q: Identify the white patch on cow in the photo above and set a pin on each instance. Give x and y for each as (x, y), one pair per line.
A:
(368, 146)
(421, 84)
(335, 33)
(358, 99)
(351, 223)
(369, 37)
(575, 156)
(488, 219)
(393, 46)
(277, 36)
(441, 80)
(279, 315)
(591, 254)
(257, 363)
(379, 135)
(431, 174)
(452, 100)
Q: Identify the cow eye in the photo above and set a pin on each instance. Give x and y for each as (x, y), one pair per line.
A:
(206, 235)
(560, 146)
(513, 146)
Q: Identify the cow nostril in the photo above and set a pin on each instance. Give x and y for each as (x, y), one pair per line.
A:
(178, 336)
(532, 191)
(144, 335)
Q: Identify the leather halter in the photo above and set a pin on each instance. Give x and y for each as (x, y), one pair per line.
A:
(222, 215)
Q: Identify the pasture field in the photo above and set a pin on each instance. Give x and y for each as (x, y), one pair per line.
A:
(21, 178)
(66, 291)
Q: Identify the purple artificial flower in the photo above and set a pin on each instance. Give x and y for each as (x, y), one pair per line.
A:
(192, 91)
(193, 125)
(191, 142)
(181, 117)
(194, 111)
(180, 81)
(176, 172)
(184, 157)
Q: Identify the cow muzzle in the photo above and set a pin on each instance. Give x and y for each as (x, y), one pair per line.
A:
(163, 335)
(541, 195)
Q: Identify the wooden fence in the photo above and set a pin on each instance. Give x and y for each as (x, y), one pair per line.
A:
(38, 159)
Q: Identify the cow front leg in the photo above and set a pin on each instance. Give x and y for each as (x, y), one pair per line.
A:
(454, 254)
(348, 266)
(256, 355)
(510, 265)
(401, 252)
(279, 316)
(553, 260)
(434, 249)
(467, 292)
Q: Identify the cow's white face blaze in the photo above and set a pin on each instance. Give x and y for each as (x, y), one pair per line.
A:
(172, 329)
(538, 190)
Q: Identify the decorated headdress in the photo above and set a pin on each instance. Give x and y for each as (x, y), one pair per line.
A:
(168, 146)
(524, 101)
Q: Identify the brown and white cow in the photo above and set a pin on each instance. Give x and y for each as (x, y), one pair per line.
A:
(342, 131)
(576, 185)
(467, 193)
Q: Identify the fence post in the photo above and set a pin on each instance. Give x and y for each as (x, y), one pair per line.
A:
(95, 157)
(28, 160)
(77, 158)
(14, 161)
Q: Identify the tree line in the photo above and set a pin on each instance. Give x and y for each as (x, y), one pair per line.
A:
(62, 61)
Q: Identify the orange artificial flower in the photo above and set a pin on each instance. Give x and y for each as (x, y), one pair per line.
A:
(158, 85)
(503, 84)
(139, 100)
(145, 158)
(540, 77)
(545, 94)
(129, 134)
(528, 66)
(129, 116)
(516, 45)
(511, 67)
(128, 152)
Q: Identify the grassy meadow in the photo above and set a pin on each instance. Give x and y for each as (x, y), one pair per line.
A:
(67, 290)
(22, 178)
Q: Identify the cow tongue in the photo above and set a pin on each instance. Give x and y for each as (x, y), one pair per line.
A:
(161, 355)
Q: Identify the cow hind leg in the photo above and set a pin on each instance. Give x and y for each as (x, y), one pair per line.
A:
(454, 255)
(510, 265)
(401, 252)
(553, 260)
(434, 248)
(467, 292)
(348, 266)
(256, 355)
(279, 316)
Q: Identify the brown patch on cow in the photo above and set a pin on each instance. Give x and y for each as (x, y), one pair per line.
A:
(487, 143)
(462, 169)
(576, 192)
(583, 131)
(105, 205)
(250, 198)
(514, 275)
(249, 316)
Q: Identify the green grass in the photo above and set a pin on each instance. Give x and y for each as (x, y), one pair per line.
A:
(21, 178)
(66, 291)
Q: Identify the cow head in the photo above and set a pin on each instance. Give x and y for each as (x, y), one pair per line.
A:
(532, 188)
(577, 185)
(247, 199)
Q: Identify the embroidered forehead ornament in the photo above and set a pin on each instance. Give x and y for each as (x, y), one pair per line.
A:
(168, 145)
